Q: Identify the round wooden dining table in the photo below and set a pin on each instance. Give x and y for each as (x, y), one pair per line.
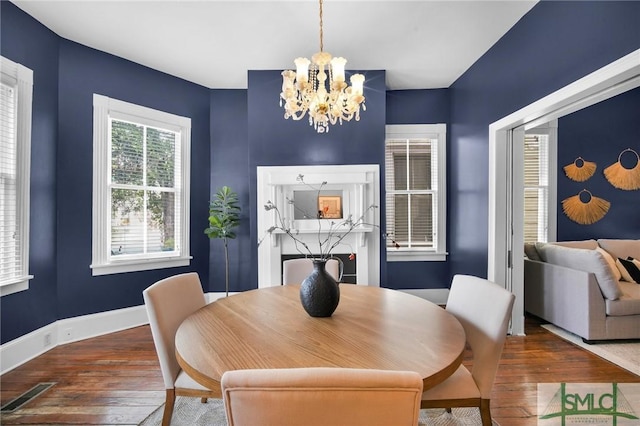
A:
(372, 327)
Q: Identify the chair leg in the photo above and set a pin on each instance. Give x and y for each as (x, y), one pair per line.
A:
(168, 407)
(203, 399)
(485, 412)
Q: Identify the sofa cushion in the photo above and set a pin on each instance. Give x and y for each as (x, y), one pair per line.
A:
(611, 261)
(583, 244)
(621, 248)
(588, 260)
(628, 303)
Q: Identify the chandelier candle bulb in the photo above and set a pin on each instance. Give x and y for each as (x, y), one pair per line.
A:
(302, 69)
(337, 68)
(357, 84)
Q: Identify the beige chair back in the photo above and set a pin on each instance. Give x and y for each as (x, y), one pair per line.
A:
(484, 310)
(168, 303)
(321, 397)
(294, 271)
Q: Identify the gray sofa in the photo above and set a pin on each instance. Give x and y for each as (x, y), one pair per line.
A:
(573, 285)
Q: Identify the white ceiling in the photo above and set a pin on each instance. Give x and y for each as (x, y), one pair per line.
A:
(420, 44)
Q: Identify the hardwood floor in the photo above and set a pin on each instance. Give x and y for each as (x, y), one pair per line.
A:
(115, 379)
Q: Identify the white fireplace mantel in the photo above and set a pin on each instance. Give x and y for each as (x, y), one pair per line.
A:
(360, 189)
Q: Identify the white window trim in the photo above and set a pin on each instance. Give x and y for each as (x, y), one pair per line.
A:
(22, 77)
(103, 107)
(432, 131)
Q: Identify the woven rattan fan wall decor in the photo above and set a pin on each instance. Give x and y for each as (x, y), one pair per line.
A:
(585, 213)
(580, 170)
(621, 177)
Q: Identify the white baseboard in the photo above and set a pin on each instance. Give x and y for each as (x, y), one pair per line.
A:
(438, 296)
(68, 330)
(93, 325)
(27, 347)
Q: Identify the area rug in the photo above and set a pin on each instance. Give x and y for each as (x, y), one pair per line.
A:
(623, 354)
(192, 412)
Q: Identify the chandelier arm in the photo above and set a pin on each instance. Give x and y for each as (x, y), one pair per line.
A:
(297, 117)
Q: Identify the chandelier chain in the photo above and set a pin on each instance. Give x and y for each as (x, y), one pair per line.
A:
(321, 32)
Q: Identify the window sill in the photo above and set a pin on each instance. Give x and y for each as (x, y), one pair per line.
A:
(415, 256)
(139, 265)
(16, 286)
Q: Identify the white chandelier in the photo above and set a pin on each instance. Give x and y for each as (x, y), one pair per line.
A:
(305, 90)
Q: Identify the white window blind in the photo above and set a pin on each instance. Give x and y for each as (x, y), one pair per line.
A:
(415, 196)
(410, 192)
(10, 262)
(16, 87)
(536, 187)
(141, 163)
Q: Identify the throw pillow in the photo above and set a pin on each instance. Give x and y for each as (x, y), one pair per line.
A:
(611, 262)
(628, 270)
(636, 263)
(531, 252)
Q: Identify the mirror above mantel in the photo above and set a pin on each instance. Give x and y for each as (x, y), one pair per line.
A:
(314, 204)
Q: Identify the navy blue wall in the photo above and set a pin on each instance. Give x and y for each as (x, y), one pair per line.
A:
(233, 131)
(83, 72)
(418, 107)
(553, 45)
(229, 166)
(66, 75)
(25, 41)
(274, 141)
(599, 134)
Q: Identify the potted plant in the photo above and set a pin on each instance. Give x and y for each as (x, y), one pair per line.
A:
(224, 217)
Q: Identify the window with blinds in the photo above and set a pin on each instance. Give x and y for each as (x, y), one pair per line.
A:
(144, 166)
(140, 188)
(16, 87)
(414, 189)
(410, 193)
(536, 187)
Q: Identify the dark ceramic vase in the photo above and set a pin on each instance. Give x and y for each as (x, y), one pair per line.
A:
(319, 292)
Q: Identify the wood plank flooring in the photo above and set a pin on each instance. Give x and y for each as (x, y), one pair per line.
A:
(115, 379)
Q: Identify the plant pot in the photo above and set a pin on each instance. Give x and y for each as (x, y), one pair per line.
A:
(319, 292)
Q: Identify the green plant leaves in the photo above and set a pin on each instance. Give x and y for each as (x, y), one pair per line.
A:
(224, 214)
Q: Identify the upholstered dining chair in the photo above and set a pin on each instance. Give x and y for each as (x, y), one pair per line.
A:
(294, 271)
(321, 396)
(168, 303)
(484, 309)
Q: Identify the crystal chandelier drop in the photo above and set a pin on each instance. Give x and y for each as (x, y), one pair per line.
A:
(305, 90)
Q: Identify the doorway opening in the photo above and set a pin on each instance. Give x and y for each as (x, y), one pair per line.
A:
(506, 224)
